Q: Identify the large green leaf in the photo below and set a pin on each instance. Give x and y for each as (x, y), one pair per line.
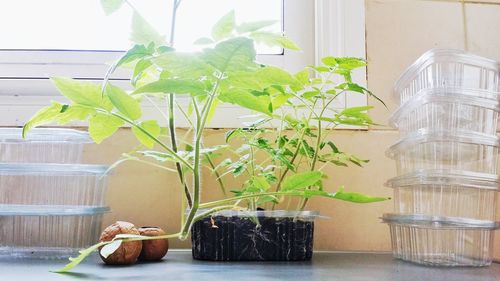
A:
(111, 6)
(301, 180)
(102, 126)
(174, 86)
(152, 128)
(247, 100)
(231, 55)
(354, 197)
(126, 104)
(74, 113)
(184, 65)
(82, 92)
(143, 32)
(271, 75)
(224, 27)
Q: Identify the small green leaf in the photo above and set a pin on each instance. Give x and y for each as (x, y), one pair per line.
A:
(301, 180)
(173, 86)
(355, 197)
(139, 68)
(143, 32)
(83, 254)
(152, 128)
(82, 92)
(109, 249)
(203, 41)
(224, 27)
(274, 39)
(111, 6)
(102, 126)
(43, 116)
(303, 76)
(126, 104)
(254, 26)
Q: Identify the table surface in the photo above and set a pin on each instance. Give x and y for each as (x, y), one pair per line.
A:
(179, 266)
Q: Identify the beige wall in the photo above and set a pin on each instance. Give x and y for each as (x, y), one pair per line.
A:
(398, 31)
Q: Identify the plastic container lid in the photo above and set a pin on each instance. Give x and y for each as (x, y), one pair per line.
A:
(51, 168)
(443, 55)
(480, 98)
(44, 135)
(446, 177)
(50, 210)
(439, 222)
(425, 135)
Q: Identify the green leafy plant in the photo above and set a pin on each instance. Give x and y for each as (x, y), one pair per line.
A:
(226, 71)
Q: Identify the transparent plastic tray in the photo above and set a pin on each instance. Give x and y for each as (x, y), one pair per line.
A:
(444, 150)
(446, 193)
(441, 241)
(454, 110)
(48, 232)
(42, 145)
(443, 68)
(52, 184)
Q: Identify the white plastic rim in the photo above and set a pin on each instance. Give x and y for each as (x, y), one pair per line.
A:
(425, 135)
(443, 55)
(29, 168)
(438, 222)
(50, 210)
(478, 98)
(446, 177)
(44, 135)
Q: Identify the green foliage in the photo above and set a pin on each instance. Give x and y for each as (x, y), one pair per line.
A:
(272, 164)
(111, 6)
(301, 180)
(224, 27)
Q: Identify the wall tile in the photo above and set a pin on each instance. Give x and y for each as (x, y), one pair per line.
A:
(398, 32)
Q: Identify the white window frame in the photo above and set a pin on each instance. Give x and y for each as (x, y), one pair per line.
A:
(320, 27)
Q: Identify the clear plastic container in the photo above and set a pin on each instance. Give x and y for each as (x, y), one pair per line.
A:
(42, 145)
(443, 150)
(446, 194)
(441, 241)
(454, 110)
(48, 232)
(443, 68)
(52, 184)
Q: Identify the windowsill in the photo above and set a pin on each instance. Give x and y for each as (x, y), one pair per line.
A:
(180, 266)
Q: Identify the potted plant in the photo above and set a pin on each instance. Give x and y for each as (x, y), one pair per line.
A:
(226, 71)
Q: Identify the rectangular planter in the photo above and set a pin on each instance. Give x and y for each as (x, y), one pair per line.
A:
(235, 236)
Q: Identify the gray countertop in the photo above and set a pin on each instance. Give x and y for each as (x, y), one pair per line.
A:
(179, 266)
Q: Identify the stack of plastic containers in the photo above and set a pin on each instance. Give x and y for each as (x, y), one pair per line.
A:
(446, 187)
(50, 204)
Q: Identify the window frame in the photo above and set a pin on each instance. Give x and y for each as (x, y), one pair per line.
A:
(25, 88)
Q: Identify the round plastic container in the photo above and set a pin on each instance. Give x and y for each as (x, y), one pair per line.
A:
(445, 68)
(441, 241)
(52, 184)
(453, 110)
(443, 150)
(446, 194)
(42, 145)
(48, 232)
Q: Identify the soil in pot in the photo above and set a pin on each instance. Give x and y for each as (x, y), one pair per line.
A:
(238, 238)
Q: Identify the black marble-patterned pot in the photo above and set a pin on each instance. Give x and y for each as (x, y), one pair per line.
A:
(235, 236)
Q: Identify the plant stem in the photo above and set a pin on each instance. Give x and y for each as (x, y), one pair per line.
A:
(219, 179)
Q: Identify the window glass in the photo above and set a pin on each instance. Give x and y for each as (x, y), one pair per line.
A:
(82, 24)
